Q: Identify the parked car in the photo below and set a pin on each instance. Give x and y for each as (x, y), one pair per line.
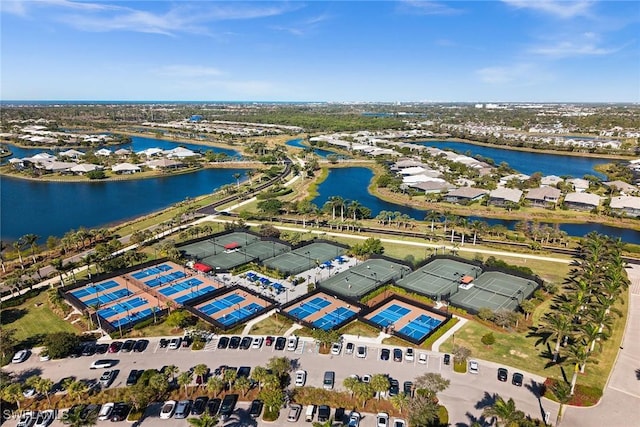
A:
(134, 376)
(174, 343)
(301, 378)
(168, 408)
(336, 348)
(20, 356)
(140, 346)
(245, 343)
(292, 343)
(163, 343)
(269, 340)
(88, 410)
(89, 349)
(213, 406)
(422, 358)
(503, 374)
(128, 346)
(474, 368)
(384, 354)
(354, 419)
(294, 412)
(281, 343)
(407, 388)
(517, 379)
(394, 387)
(120, 411)
(349, 348)
(339, 416)
(45, 418)
(382, 419)
(256, 408)
(228, 405)
(102, 363)
(107, 377)
(106, 411)
(199, 405)
(27, 419)
(244, 371)
(223, 343)
(408, 355)
(310, 413)
(102, 348)
(257, 342)
(115, 346)
(361, 352)
(397, 355)
(183, 408)
(324, 412)
(329, 380)
(447, 359)
(234, 343)
(399, 422)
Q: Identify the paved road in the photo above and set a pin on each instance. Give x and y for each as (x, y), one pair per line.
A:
(464, 396)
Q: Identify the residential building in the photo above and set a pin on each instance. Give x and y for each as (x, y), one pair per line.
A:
(504, 196)
(624, 188)
(465, 195)
(543, 196)
(625, 205)
(579, 185)
(582, 201)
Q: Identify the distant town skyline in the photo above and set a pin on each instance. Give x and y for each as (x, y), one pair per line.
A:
(379, 51)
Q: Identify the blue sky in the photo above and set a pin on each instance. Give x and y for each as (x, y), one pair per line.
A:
(511, 50)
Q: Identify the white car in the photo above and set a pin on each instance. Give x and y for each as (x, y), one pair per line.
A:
(301, 378)
(29, 392)
(382, 419)
(292, 343)
(174, 344)
(102, 364)
(399, 422)
(336, 348)
(168, 409)
(361, 351)
(257, 342)
(20, 356)
(27, 419)
(44, 356)
(422, 358)
(474, 368)
(105, 411)
(366, 378)
(354, 419)
(45, 418)
(408, 355)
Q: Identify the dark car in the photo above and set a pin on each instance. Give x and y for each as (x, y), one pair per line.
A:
(186, 342)
(503, 374)
(234, 342)
(213, 406)
(339, 416)
(199, 405)
(394, 387)
(397, 355)
(115, 346)
(76, 352)
(223, 342)
(407, 388)
(245, 344)
(134, 376)
(102, 348)
(324, 412)
(517, 379)
(220, 370)
(447, 359)
(268, 340)
(108, 377)
(281, 343)
(164, 342)
(140, 346)
(120, 411)
(384, 354)
(128, 346)
(89, 349)
(90, 409)
(244, 371)
(256, 408)
(61, 385)
(228, 405)
(183, 409)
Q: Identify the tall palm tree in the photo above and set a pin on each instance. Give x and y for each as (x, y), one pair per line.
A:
(354, 208)
(13, 393)
(215, 384)
(200, 370)
(578, 356)
(184, 379)
(237, 178)
(31, 241)
(400, 401)
(380, 384)
(18, 245)
(505, 413)
(243, 385)
(74, 418)
(432, 216)
(76, 389)
(557, 325)
(562, 391)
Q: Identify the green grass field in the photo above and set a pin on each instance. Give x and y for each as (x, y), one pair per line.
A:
(271, 326)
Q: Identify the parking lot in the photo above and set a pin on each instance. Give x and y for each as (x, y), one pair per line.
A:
(465, 391)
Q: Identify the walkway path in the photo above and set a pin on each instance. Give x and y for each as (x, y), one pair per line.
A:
(437, 343)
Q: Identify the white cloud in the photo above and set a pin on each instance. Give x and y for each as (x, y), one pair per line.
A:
(558, 8)
(568, 49)
(304, 27)
(424, 7)
(519, 74)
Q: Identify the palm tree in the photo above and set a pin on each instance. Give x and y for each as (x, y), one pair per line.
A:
(13, 393)
(18, 246)
(205, 420)
(353, 208)
(31, 240)
(350, 384)
(215, 384)
(578, 356)
(556, 325)
(259, 374)
(432, 216)
(504, 412)
(76, 389)
(243, 385)
(363, 392)
(229, 377)
(184, 379)
(74, 418)
(380, 384)
(476, 227)
(400, 401)
(562, 391)
(200, 370)
(43, 386)
(171, 371)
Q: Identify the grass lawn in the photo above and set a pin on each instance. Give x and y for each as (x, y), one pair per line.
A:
(34, 318)
(158, 330)
(271, 326)
(359, 328)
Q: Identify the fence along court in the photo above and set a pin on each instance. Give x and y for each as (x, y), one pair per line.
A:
(304, 258)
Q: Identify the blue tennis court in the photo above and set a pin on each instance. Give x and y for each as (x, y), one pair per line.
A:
(191, 295)
(122, 307)
(221, 304)
(179, 287)
(94, 289)
(420, 327)
(132, 318)
(334, 318)
(390, 315)
(307, 308)
(158, 269)
(107, 298)
(167, 278)
(239, 314)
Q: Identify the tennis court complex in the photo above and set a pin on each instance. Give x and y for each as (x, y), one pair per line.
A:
(322, 311)
(233, 308)
(405, 319)
(363, 278)
(494, 290)
(219, 244)
(128, 312)
(439, 279)
(305, 258)
(101, 293)
(186, 290)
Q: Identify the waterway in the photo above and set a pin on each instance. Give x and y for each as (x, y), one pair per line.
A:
(525, 161)
(352, 184)
(297, 143)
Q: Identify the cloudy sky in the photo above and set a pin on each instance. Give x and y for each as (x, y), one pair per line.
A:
(408, 50)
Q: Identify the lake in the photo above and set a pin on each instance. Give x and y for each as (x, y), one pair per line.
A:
(352, 184)
(297, 143)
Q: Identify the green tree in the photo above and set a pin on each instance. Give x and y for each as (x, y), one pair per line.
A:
(74, 418)
(215, 384)
(350, 383)
(200, 370)
(205, 420)
(400, 401)
(259, 375)
(179, 319)
(13, 393)
(243, 385)
(380, 384)
(504, 412)
(364, 391)
(60, 344)
(280, 366)
(184, 379)
(423, 411)
(7, 343)
(326, 338)
(488, 339)
(562, 390)
(229, 376)
(430, 384)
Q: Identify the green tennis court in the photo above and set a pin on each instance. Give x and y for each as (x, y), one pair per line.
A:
(496, 291)
(438, 279)
(305, 258)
